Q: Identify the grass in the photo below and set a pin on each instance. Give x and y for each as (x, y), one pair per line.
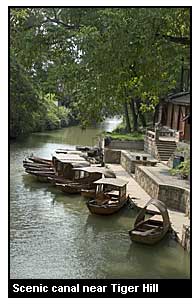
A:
(119, 133)
(126, 136)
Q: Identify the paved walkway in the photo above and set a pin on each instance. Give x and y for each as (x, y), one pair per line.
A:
(140, 198)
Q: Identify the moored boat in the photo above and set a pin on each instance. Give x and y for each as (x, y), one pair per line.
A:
(153, 229)
(36, 168)
(110, 196)
(40, 160)
(88, 193)
(60, 168)
(27, 163)
(83, 179)
(72, 188)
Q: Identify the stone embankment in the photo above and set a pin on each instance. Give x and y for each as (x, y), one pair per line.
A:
(155, 182)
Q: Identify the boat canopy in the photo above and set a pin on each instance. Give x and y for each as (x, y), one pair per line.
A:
(160, 206)
(68, 157)
(112, 181)
(101, 170)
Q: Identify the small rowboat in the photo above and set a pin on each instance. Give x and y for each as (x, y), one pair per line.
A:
(152, 230)
(110, 196)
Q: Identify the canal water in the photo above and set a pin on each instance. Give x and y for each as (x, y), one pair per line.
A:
(52, 235)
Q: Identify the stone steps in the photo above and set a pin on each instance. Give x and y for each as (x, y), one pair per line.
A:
(165, 149)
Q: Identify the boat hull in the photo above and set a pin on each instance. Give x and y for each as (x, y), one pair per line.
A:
(152, 230)
(105, 209)
(148, 240)
(41, 176)
(40, 160)
(88, 193)
(69, 189)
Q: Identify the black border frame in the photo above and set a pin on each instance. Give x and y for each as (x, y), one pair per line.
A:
(168, 288)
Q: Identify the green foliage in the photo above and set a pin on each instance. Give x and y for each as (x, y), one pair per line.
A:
(30, 109)
(101, 57)
(120, 133)
(183, 169)
(132, 136)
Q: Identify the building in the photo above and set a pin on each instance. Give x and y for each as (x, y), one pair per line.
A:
(176, 114)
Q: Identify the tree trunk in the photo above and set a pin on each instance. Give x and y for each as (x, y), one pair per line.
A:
(141, 115)
(135, 116)
(143, 119)
(126, 113)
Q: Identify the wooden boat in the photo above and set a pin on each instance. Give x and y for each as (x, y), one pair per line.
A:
(35, 165)
(41, 173)
(64, 164)
(43, 168)
(40, 160)
(92, 174)
(111, 201)
(151, 230)
(72, 188)
(82, 148)
(59, 169)
(58, 180)
(83, 179)
(68, 151)
(88, 193)
(42, 176)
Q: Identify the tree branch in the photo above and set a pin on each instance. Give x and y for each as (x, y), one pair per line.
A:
(175, 39)
(60, 22)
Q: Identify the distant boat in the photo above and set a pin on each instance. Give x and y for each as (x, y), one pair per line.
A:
(59, 169)
(110, 196)
(151, 230)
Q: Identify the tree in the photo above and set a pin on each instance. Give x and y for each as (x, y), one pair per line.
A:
(109, 60)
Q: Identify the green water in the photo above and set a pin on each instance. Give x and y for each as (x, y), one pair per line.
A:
(54, 236)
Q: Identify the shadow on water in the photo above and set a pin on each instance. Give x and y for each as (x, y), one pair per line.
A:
(158, 258)
(121, 220)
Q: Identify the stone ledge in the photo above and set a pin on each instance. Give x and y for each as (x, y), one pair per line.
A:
(126, 144)
(175, 197)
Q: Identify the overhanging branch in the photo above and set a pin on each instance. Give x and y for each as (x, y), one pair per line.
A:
(183, 40)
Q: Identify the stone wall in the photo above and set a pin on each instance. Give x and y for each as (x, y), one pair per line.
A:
(112, 156)
(125, 161)
(174, 197)
(185, 242)
(150, 146)
(186, 201)
(146, 182)
(177, 198)
(126, 145)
